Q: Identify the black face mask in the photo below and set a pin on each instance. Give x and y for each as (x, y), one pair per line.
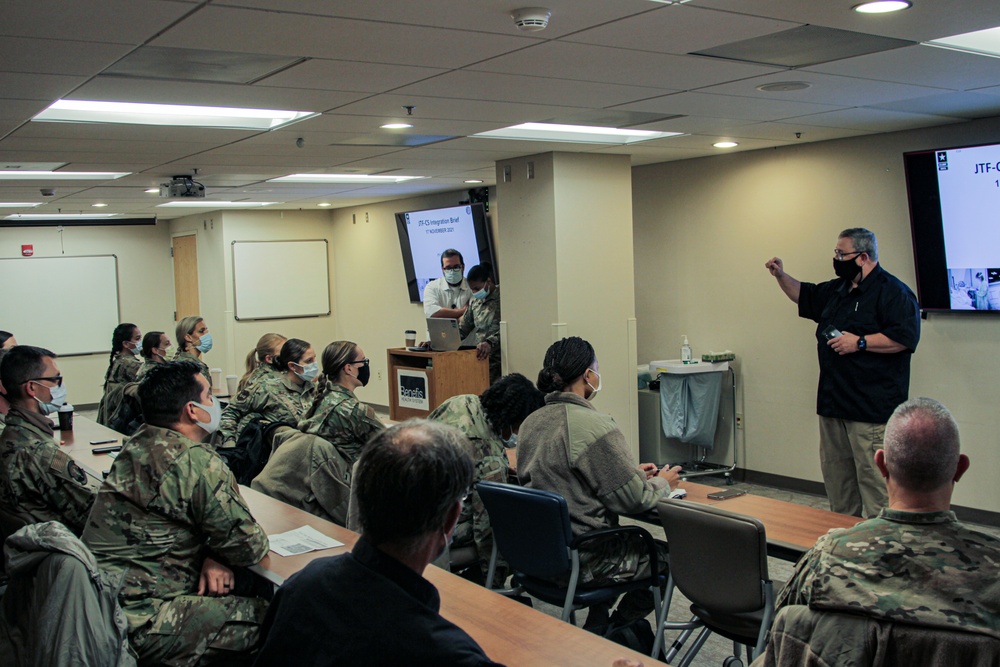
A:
(846, 269)
(364, 374)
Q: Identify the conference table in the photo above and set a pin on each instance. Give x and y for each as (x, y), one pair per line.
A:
(76, 443)
(792, 529)
(508, 631)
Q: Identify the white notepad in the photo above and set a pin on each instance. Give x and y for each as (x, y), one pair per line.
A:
(301, 540)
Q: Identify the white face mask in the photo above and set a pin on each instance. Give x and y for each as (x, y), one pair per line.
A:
(309, 371)
(137, 347)
(215, 416)
(592, 387)
(57, 400)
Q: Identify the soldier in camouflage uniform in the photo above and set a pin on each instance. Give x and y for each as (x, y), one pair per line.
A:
(38, 481)
(277, 397)
(336, 414)
(260, 361)
(914, 563)
(170, 517)
(490, 421)
(4, 403)
(483, 317)
(123, 366)
(194, 341)
(154, 351)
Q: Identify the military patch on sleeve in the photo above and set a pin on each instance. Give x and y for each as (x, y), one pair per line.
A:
(76, 473)
(243, 395)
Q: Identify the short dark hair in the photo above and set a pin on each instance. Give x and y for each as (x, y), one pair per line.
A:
(565, 361)
(508, 401)
(4, 335)
(166, 389)
(480, 273)
(20, 364)
(409, 477)
(150, 342)
(292, 350)
(451, 252)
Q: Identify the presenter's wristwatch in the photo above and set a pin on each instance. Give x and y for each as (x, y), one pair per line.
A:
(862, 344)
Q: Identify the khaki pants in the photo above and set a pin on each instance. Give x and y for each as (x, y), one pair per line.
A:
(847, 456)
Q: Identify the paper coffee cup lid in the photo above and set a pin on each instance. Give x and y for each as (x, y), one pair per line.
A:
(67, 407)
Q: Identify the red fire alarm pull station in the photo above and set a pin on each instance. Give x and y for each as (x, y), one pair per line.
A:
(27, 250)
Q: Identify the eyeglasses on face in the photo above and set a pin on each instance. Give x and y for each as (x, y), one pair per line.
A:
(55, 378)
(843, 255)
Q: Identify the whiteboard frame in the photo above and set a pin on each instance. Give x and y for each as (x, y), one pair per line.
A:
(236, 300)
(51, 304)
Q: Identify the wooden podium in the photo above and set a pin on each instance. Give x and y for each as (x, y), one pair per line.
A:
(421, 381)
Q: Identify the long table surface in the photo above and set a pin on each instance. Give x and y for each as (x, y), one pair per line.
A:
(76, 443)
(792, 529)
(509, 632)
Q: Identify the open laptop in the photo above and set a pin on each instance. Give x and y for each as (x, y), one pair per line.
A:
(444, 336)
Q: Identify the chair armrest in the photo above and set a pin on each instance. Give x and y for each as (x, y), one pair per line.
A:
(638, 530)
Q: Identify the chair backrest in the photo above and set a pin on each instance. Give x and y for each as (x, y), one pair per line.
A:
(718, 559)
(531, 528)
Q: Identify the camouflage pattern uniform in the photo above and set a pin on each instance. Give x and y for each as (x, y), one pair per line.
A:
(341, 419)
(190, 356)
(274, 397)
(38, 481)
(258, 374)
(124, 369)
(167, 503)
(922, 568)
(466, 413)
(147, 365)
(483, 317)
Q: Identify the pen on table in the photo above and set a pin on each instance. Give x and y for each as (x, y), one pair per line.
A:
(103, 442)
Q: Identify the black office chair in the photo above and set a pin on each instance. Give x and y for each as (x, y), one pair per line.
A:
(531, 528)
(718, 560)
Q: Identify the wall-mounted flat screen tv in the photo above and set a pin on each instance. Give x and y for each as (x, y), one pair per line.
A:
(424, 235)
(954, 196)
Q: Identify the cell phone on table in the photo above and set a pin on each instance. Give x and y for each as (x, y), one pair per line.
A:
(106, 450)
(725, 494)
(831, 332)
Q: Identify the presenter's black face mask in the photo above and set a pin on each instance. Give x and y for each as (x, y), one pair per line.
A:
(364, 374)
(846, 269)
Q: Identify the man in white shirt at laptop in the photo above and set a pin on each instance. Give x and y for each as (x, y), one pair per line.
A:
(449, 296)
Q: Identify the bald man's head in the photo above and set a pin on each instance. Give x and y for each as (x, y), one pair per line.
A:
(921, 445)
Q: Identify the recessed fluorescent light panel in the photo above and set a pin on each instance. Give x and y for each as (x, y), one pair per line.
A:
(882, 6)
(982, 42)
(341, 178)
(208, 203)
(395, 126)
(577, 134)
(16, 175)
(175, 115)
(725, 144)
(60, 216)
(14, 204)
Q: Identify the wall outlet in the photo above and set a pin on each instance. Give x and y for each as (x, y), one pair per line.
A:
(739, 420)
(378, 375)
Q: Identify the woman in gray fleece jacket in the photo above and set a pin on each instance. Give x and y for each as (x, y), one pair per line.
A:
(571, 449)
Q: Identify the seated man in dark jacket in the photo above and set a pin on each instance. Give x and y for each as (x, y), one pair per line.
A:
(372, 606)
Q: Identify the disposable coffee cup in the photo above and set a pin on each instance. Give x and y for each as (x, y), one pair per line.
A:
(411, 337)
(232, 382)
(66, 418)
(216, 374)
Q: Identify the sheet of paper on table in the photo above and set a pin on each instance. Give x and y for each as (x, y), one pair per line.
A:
(300, 541)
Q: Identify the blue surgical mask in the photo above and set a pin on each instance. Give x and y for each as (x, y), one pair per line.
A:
(309, 371)
(205, 343)
(481, 294)
(453, 276)
(137, 347)
(215, 415)
(511, 441)
(57, 401)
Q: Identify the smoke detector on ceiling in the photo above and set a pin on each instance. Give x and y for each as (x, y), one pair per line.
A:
(531, 19)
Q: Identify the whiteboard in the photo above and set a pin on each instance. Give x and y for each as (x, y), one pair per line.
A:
(66, 304)
(280, 279)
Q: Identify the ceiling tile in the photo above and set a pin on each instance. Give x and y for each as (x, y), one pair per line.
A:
(922, 66)
(113, 21)
(824, 89)
(349, 75)
(728, 106)
(875, 120)
(56, 56)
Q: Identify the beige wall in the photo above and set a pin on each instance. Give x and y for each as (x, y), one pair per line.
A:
(568, 235)
(145, 285)
(703, 230)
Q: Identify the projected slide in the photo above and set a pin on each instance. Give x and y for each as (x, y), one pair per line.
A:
(969, 184)
(433, 232)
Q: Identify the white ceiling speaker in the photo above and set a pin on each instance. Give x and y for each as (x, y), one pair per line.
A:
(531, 19)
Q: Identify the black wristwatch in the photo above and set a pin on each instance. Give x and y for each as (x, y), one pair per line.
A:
(862, 344)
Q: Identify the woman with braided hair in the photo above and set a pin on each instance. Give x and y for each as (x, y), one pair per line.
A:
(123, 366)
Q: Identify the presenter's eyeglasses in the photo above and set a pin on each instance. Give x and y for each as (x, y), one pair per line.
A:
(55, 378)
(843, 255)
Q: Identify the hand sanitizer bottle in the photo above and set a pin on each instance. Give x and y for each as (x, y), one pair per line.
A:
(685, 352)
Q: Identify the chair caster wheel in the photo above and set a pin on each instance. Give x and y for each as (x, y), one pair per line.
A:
(732, 661)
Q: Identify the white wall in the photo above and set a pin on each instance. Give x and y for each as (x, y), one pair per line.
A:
(145, 284)
(702, 232)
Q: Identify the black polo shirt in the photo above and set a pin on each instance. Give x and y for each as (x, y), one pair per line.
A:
(863, 386)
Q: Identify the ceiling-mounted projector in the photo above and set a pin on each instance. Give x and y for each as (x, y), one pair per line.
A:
(182, 186)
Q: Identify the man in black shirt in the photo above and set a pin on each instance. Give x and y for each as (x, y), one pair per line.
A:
(372, 606)
(868, 326)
